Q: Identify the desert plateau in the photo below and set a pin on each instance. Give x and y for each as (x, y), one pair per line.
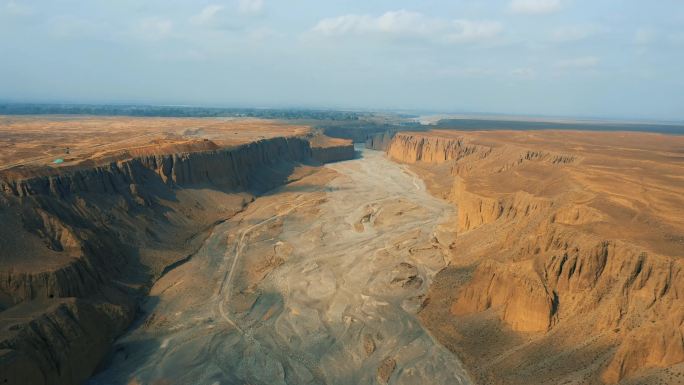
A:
(261, 192)
(221, 251)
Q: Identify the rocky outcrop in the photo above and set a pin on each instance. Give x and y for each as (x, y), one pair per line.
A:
(380, 141)
(556, 239)
(577, 215)
(73, 280)
(538, 156)
(415, 147)
(56, 207)
(654, 346)
(525, 303)
(385, 370)
(60, 342)
(476, 210)
(333, 153)
(82, 245)
(228, 168)
(406, 275)
(325, 149)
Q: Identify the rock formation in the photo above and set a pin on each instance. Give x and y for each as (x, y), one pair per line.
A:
(569, 248)
(81, 244)
(326, 150)
(381, 140)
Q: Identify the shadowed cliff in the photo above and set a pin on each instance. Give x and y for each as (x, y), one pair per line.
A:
(82, 244)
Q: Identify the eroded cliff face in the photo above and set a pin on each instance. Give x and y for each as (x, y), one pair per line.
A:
(411, 148)
(542, 230)
(526, 305)
(231, 168)
(67, 211)
(332, 150)
(380, 141)
(82, 245)
(58, 341)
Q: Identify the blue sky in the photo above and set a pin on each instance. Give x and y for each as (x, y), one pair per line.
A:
(599, 58)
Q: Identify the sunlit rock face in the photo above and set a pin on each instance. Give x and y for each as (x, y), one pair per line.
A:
(558, 243)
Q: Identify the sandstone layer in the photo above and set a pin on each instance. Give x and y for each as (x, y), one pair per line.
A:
(83, 241)
(567, 262)
(380, 141)
(325, 149)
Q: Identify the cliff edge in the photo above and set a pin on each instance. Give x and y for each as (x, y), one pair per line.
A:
(82, 242)
(567, 262)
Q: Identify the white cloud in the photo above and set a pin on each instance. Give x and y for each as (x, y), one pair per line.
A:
(586, 62)
(574, 33)
(208, 15)
(468, 30)
(251, 7)
(408, 24)
(535, 7)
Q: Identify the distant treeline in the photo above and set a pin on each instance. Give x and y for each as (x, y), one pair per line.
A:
(173, 111)
(483, 124)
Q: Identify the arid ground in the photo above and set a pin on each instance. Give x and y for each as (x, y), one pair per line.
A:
(244, 251)
(319, 282)
(567, 260)
(38, 141)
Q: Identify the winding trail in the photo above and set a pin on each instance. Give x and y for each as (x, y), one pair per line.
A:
(354, 257)
(225, 282)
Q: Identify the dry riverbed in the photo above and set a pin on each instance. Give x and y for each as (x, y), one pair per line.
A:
(317, 282)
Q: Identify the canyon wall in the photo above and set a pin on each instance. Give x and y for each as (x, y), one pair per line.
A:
(548, 253)
(411, 148)
(334, 152)
(380, 141)
(81, 246)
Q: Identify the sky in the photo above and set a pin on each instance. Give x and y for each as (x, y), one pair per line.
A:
(593, 58)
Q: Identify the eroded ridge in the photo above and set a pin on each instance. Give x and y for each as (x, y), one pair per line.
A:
(96, 209)
(567, 261)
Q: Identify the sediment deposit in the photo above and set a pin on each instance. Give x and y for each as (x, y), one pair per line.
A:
(566, 266)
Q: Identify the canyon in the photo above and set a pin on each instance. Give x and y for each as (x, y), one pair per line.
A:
(318, 282)
(84, 240)
(256, 251)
